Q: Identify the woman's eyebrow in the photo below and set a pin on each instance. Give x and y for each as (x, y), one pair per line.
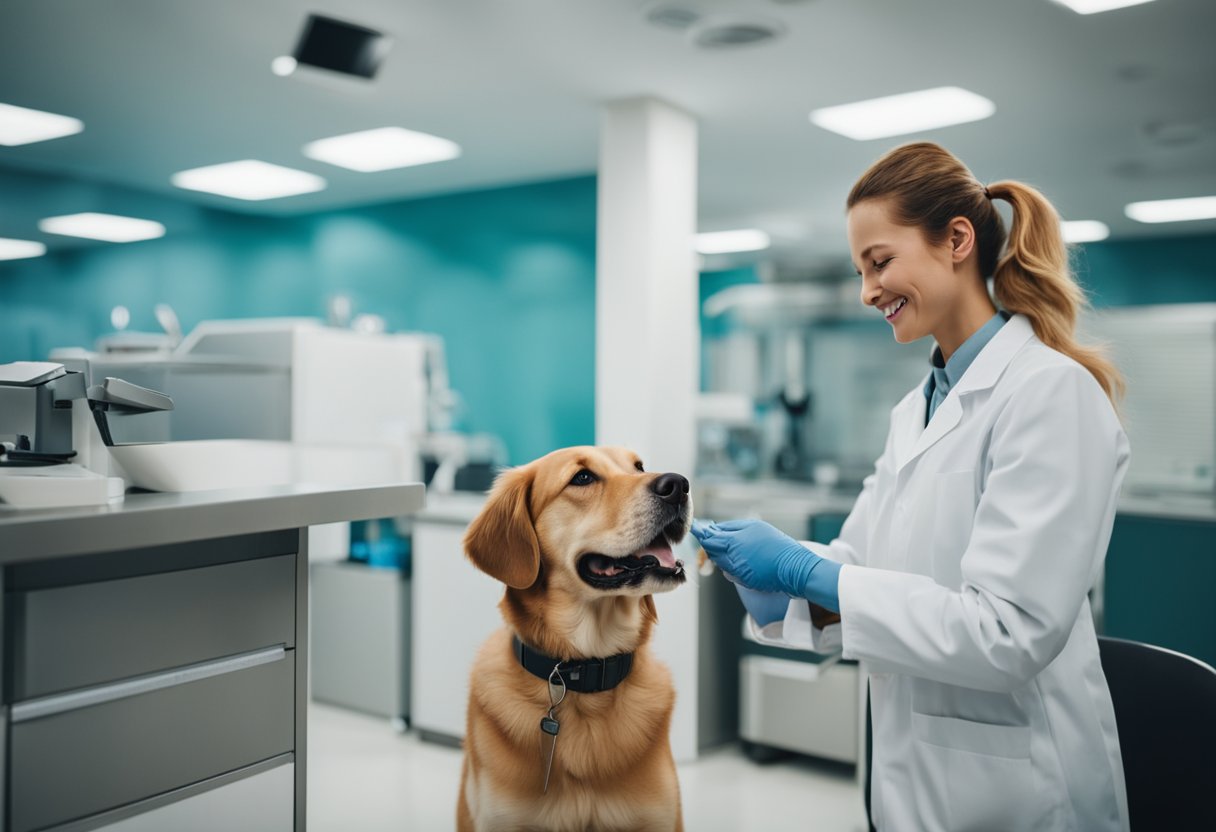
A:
(870, 248)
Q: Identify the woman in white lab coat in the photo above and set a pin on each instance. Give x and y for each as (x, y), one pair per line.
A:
(961, 575)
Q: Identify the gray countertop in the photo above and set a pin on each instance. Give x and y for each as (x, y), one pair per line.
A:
(155, 519)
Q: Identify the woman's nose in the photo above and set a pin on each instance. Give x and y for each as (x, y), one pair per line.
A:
(871, 291)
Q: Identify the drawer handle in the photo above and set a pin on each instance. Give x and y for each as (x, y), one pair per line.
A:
(61, 702)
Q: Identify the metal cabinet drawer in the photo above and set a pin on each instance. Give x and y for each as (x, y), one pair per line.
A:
(88, 758)
(263, 802)
(69, 637)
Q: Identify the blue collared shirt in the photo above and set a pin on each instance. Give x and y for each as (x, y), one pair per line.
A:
(946, 374)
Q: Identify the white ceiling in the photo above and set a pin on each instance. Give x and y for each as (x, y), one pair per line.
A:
(164, 85)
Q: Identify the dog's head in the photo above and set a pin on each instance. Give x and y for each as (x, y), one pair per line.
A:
(590, 520)
(582, 538)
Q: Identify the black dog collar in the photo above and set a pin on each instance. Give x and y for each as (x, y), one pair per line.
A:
(585, 676)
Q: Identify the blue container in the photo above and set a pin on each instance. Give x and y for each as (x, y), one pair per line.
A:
(377, 543)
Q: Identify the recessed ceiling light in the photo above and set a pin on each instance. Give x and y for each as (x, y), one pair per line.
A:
(910, 112)
(283, 65)
(248, 179)
(1084, 231)
(384, 148)
(1095, 6)
(20, 249)
(1173, 210)
(19, 125)
(109, 227)
(722, 242)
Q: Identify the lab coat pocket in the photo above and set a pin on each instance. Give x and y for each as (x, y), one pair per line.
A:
(954, 501)
(974, 775)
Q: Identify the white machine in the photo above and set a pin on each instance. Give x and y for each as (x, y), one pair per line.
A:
(253, 402)
(286, 379)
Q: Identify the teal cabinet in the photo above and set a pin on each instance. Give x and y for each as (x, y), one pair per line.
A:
(1160, 582)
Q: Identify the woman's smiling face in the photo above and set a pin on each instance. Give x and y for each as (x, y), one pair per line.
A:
(909, 280)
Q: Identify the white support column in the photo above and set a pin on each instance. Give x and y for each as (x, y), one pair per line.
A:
(647, 333)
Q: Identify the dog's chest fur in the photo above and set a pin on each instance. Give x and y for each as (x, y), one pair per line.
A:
(612, 762)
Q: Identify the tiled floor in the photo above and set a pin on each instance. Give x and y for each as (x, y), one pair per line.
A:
(364, 777)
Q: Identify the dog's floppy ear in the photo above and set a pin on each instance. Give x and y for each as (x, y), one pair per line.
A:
(501, 541)
(649, 611)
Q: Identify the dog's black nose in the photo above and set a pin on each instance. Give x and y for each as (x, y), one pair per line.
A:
(671, 488)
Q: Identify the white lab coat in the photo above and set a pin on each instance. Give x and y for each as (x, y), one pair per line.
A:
(968, 558)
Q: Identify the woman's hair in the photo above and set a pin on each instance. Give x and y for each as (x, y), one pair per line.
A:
(928, 187)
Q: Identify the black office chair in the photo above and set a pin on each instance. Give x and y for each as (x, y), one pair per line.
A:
(1165, 707)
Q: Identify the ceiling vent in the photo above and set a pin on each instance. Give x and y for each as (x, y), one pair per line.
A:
(1175, 133)
(731, 32)
(668, 16)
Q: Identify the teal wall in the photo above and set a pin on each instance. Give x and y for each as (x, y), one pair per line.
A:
(710, 284)
(1137, 272)
(1160, 574)
(506, 276)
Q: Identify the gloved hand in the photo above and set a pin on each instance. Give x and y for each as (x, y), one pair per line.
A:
(763, 558)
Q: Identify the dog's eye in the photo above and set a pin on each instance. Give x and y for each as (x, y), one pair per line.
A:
(638, 465)
(583, 477)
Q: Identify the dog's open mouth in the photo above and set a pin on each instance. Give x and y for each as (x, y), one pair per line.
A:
(655, 559)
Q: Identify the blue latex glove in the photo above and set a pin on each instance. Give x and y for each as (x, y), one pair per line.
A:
(764, 607)
(763, 558)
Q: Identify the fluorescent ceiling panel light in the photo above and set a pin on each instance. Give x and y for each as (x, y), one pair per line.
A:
(1095, 6)
(1084, 231)
(722, 242)
(19, 125)
(20, 249)
(1173, 210)
(248, 179)
(910, 112)
(384, 148)
(111, 228)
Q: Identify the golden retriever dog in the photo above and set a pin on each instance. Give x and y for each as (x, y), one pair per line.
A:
(582, 538)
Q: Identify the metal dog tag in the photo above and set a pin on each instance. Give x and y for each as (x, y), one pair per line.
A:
(549, 726)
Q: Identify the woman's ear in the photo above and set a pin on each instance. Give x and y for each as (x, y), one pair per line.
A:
(962, 239)
(501, 541)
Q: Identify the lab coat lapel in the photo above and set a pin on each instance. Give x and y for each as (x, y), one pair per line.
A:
(909, 419)
(944, 420)
(981, 375)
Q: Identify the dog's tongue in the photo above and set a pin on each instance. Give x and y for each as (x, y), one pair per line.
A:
(661, 549)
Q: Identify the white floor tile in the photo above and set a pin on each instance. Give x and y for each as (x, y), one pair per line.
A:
(365, 777)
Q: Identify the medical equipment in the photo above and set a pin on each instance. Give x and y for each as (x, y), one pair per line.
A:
(47, 437)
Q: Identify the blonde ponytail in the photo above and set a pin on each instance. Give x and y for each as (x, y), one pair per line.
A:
(1033, 278)
(928, 187)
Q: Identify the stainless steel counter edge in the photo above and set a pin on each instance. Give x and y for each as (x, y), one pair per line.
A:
(155, 519)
